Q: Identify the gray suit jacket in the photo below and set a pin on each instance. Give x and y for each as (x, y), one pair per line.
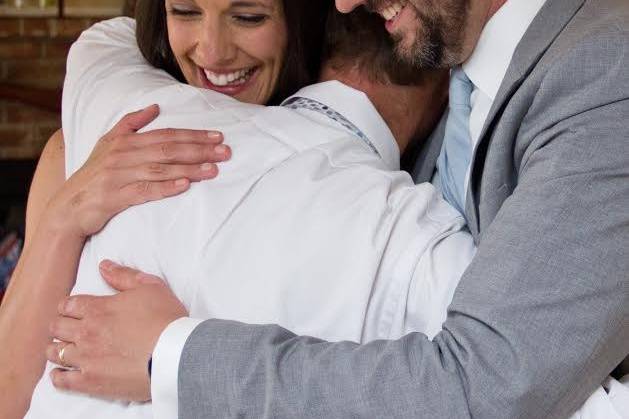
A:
(542, 314)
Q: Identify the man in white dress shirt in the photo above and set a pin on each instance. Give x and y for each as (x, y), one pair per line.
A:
(313, 191)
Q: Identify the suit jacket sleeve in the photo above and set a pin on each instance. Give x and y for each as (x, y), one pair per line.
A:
(539, 319)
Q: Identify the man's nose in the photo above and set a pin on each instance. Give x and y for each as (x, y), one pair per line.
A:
(346, 6)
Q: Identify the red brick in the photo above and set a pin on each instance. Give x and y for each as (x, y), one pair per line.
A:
(20, 49)
(14, 136)
(3, 112)
(71, 28)
(16, 113)
(36, 27)
(56, 49)
(36, 73)
(27, 151)
(10, 27)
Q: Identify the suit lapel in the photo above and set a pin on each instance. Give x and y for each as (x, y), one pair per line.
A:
(547, 25)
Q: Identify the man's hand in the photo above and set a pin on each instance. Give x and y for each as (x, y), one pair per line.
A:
(108, 341)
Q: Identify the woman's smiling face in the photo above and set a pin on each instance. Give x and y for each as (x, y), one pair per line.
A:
(235, 47)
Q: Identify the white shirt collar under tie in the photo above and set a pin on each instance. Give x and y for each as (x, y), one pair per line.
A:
(488, 64)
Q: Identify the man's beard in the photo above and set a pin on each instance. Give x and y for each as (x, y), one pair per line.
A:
(440, 33)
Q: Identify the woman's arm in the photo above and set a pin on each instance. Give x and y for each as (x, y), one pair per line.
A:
(126, 168)
(42, 277)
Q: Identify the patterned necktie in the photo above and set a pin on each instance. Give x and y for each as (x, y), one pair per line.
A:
(456, 153)
(297, 102)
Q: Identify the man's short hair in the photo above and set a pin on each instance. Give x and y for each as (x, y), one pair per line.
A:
(360, 39)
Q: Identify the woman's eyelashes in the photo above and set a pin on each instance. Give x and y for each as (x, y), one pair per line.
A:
(243, 19)
(250, 19)
(177, 11)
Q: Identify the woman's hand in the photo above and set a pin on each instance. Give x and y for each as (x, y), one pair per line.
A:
(127, 168)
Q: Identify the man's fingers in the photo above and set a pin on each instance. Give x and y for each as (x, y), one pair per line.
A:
(124, 279)
(134, 121)
(65, 329)
(56, 350)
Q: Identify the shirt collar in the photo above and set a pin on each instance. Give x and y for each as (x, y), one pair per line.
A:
(488, 64)
(356, 107)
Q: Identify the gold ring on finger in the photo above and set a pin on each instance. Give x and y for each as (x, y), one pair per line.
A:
(62, 353)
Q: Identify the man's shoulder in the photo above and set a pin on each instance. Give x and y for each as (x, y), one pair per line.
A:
(595, 38)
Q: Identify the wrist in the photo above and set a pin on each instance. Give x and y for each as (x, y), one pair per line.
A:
(59, 219)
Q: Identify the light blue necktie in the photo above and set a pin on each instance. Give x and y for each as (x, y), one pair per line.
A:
(456, 153)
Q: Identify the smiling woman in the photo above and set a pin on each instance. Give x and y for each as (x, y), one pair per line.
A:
(258, 51)
(233, 47)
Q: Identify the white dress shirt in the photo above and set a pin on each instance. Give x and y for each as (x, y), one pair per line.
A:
(307, 226)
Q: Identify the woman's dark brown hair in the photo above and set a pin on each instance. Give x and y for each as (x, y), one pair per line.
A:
(305, 22)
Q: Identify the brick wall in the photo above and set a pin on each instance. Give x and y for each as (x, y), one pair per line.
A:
(32, 55)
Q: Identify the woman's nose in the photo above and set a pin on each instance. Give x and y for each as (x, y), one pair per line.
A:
(346, 6)
(217, 46)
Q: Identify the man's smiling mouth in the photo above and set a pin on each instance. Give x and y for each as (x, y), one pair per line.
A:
(392, 10)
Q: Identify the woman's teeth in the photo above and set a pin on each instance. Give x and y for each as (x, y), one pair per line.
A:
(228, 79)
(392, 10)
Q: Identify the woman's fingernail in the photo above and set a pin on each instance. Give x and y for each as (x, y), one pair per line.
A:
(207, 167)
(214, 135)
(181, 182)
(221, 149)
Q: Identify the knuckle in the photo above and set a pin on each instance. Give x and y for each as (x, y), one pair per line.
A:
(155, 169)
(108, 138)
(169, 132)
(167, 151)
(143, 188)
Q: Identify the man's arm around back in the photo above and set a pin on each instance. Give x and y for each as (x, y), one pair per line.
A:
(539, 319)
